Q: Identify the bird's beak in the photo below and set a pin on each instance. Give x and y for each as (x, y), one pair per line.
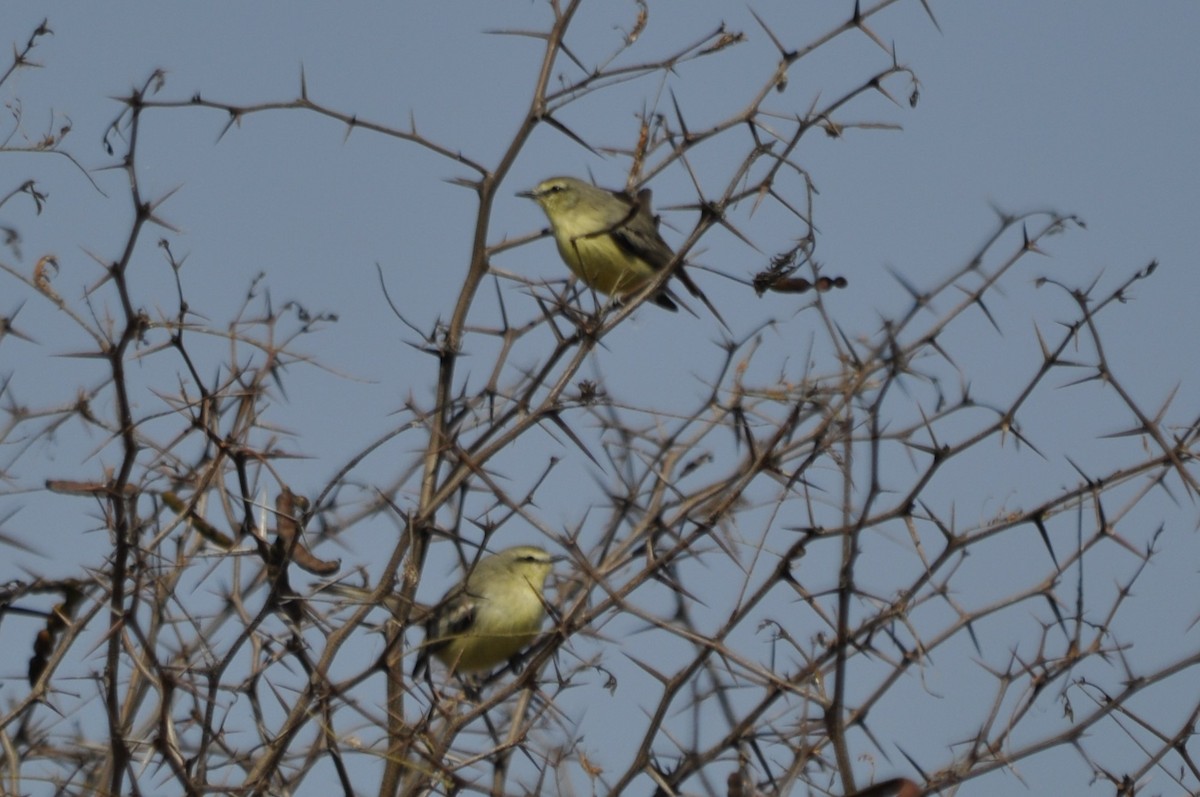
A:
(527, 194)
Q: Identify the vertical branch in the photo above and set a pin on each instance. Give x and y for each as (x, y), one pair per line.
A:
(835, 717)
(123, 501)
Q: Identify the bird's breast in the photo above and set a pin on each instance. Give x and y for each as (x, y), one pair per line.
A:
(602, 264)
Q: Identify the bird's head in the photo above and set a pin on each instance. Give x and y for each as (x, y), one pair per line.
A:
(558, 194)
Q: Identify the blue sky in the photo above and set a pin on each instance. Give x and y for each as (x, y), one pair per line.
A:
(1084, 108)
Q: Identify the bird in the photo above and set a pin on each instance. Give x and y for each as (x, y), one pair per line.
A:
(489, 617)
(610, 239)
(492, 615)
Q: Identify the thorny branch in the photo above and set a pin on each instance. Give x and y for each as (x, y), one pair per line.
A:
(782, 485)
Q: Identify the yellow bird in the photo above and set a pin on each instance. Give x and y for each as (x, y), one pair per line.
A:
(609, 239)
(492, 615)
(487, 618)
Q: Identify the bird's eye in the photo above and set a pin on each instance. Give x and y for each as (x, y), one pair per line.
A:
(554, 189)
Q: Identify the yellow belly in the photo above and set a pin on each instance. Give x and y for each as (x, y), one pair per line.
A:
(507, 635)
(599, 262)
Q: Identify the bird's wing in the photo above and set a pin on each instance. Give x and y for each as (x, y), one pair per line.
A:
(637, 232)
(638, 235)
(452, 618)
